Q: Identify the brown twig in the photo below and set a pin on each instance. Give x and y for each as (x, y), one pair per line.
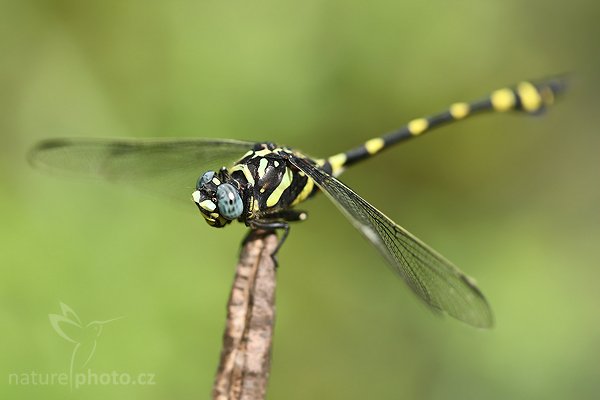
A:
(246, 355)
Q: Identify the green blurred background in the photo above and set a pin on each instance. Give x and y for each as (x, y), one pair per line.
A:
(512, 200)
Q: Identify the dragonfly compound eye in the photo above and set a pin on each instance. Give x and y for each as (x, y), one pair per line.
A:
(229, 201)
(205, 178)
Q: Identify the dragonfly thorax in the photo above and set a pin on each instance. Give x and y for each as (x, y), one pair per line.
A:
(218, 198)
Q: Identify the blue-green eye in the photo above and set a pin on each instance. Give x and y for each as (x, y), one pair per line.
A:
(205, 178)
(229, 201)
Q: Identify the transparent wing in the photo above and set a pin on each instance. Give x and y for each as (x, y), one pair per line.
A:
(167, 167)
(433, 278)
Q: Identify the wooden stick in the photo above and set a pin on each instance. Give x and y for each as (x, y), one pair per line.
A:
(246, 355)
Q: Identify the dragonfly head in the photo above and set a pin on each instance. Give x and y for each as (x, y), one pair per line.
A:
(218, 201)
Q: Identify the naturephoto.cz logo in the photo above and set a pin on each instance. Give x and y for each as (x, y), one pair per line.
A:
(84, 340)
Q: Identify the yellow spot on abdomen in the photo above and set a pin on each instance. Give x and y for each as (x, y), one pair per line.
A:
(417, 126)
(374, 145)
(459, 110)
(503, 99)
(337, 162)
(530, 97)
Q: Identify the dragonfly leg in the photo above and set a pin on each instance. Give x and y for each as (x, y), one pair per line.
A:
(279, 220)
(269, 226)
(289, 215)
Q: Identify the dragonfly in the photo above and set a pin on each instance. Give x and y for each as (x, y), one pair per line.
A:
(260, 184)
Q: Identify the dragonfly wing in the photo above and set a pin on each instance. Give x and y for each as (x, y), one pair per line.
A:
(433, 278)
(168, 167)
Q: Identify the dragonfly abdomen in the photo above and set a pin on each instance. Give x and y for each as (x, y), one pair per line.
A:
(526, 97)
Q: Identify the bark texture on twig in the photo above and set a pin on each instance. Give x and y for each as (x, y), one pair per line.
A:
(246, 355)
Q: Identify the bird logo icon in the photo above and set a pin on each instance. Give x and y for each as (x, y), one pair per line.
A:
(84, 337)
